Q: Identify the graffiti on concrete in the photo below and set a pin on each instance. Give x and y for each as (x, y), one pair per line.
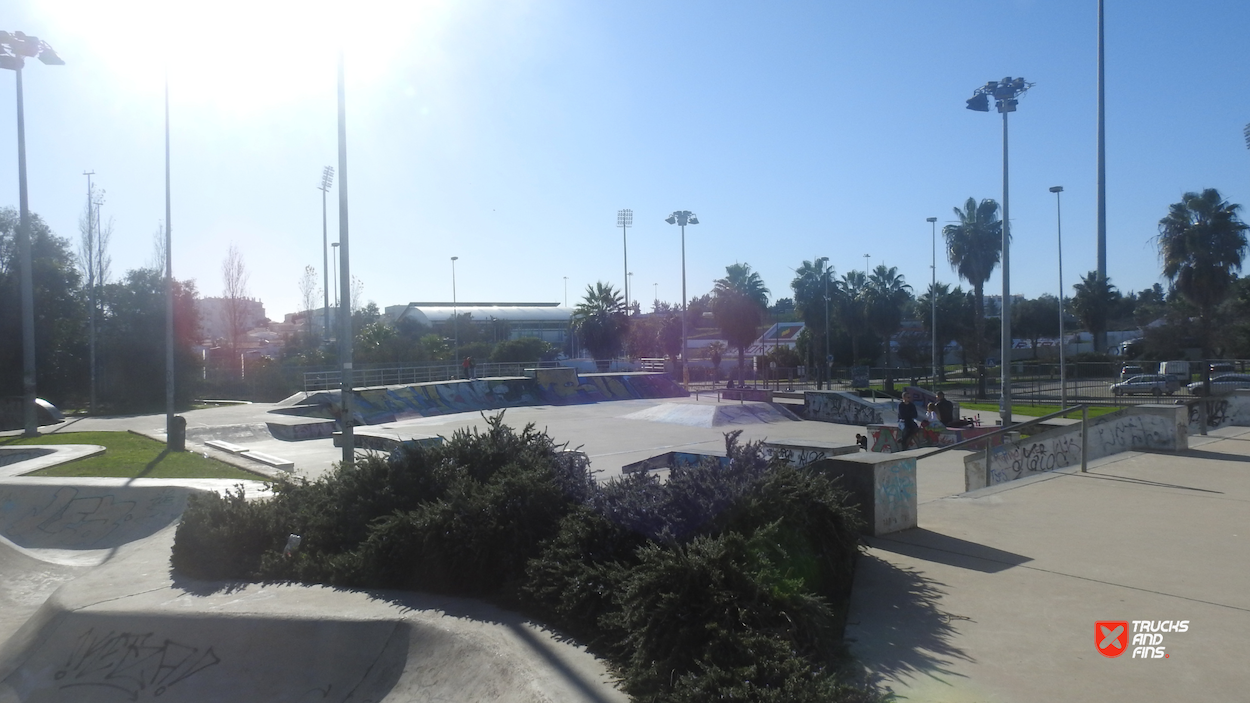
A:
(895, 496)
(845, 408)
(1013, 461)
(136, 664)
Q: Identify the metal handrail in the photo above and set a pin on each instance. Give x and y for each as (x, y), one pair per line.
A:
(1015, 428)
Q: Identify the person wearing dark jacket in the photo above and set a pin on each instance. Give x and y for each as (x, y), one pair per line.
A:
(907, 415)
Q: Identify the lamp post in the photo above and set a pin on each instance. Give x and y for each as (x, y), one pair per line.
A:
(683, 218)
(335, 247)
(174, 441)
(629, 305)
(1005, 93)
(455, 315)
(14, 48)
(1063, 386)
(625, 220)
(566, 291)
(345, 278)
(866, 267)
(327, 179)
(933, 297)
(655, 292)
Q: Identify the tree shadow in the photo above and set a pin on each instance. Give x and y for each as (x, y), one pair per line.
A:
(919, 543)
(896, 627)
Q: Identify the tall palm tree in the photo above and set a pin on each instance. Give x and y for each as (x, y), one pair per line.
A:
(813, 287)
(974, 246)
(602, 322)
(1093, 301)
(885, 297)
(848, 300)
(1202, 243)
(738, 303)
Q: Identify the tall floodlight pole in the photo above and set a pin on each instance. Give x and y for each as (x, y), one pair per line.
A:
(91, 269)
(625, 220)
(455, 314)
(828, 365)
(933, 297)
(1100, 341)
(866, 257)
(629, 284)
(172, 442)
(14, 49)
(345, 273)
(566, 291)
(335, 247)
(683, 218)
(1005, 94)
(327, 180)
(1063, 386)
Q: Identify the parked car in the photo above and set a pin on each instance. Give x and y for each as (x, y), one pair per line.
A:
(1149, 383)
(1222, 384)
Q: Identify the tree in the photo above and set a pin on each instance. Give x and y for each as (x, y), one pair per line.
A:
(715, 353)
(953, 322)
(1202, 243)
(738, 304)
(601, 322)
(522, 350)
(974, 247)
(885, 297)
(234, 278)
(1035, 318)
(852, 314)
(308, 291)
(60, 313)
(813, 291)
(1094, 302)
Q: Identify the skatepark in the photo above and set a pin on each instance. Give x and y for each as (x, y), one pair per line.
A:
(992, 596)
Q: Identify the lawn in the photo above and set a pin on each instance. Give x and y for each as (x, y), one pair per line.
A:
(130, 455)
(1038, 410)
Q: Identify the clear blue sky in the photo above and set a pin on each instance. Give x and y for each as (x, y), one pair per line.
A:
(510, 133)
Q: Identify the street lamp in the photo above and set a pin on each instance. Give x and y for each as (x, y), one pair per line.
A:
(346, 375)
(455, 316)
(683, 218)
(1063, 386)
(327, 179)
(14, 48)
(866, 267)
(933, 297)
(625, 220)
(335, 246)
(1005, 93)
(629, 305)
(566, 291)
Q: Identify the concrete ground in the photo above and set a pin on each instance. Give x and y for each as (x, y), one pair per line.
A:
(992, 598)
(995, 595)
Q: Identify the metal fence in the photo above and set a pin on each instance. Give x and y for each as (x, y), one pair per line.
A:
(375, 375)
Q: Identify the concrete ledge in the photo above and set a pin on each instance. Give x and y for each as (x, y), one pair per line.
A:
(24, 459)
(883, 485)
(269, 460)
(754, 394)
(672, 460)
(292, 428)
(804, 453)
(888, 438)
(225, 446)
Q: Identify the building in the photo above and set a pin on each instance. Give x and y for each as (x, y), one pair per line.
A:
(215, 320)
(546, 321)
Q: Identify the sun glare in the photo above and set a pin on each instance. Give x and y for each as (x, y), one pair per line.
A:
(239, 55)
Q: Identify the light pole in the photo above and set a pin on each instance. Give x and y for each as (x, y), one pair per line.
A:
(866, 267)
(327, 180)
(933, 297)
(566, 291)
(1063, 386)
(14, 48)
(625, 220)
(629, 305)
(655, 292)
(90, 262)
(1005, 93)
(175, 440)
(346, 376)
(683, 218)
(828, 365)
(335, 246)
(455, 315)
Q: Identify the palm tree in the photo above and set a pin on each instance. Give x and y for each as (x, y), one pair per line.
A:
(1202, 243)
(950, 317)
(738, 304)
(1093, 302)
(974, 247)
(602, 321)
(813, 289)
(885, 297)
(848, 299)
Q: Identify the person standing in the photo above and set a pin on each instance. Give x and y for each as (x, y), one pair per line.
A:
(465, 366)
(907, 415)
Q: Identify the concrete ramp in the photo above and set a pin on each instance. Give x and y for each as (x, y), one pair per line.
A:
(709, 415)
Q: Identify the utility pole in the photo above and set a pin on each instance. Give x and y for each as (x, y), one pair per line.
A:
(91, 268)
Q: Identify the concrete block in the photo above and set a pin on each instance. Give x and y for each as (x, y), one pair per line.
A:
(884, 487)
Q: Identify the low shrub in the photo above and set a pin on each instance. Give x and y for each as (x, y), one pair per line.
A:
(724, 582)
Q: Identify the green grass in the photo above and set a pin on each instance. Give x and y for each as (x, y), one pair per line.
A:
(1037, 410)
(130, 455)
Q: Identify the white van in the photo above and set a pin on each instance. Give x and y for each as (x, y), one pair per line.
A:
(1179, 369)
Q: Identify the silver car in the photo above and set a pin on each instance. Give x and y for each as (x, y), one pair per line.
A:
(1150, 383)
(1223, 384)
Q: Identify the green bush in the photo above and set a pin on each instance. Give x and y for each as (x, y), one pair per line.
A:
(724, 582)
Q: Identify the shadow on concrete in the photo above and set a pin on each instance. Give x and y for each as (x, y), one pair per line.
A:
(897, 628)
(920, 543)
(1144, 482)
(1212, 456)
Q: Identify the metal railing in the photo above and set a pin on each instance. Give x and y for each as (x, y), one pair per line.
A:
(1016, 427)
(402, 375)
